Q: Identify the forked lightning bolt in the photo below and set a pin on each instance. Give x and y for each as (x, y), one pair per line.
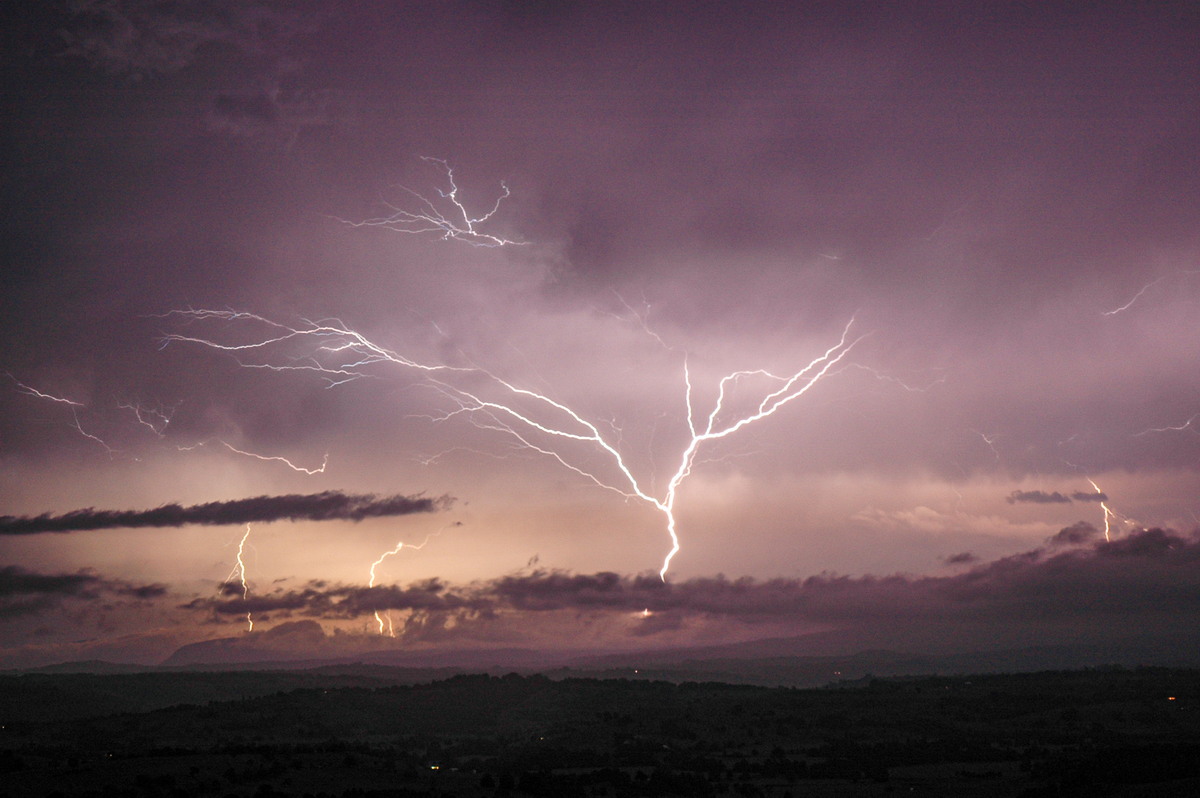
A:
(74, 407)
(452, 221)
(1110, 515)
(341, 354)
(386, 619)
(154, 419)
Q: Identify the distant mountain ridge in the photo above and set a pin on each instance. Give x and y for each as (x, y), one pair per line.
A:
(767, 662)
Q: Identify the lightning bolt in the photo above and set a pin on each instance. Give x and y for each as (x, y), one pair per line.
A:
(1111, 516)
(342, 354)
(990, 440)
(1108, 514)
(239, 571)
(428, 217)
(1185, 425)
(155, 419)
(263, 457)
(284, 460)
(1146, 288)
(74, 406)
(387, 618)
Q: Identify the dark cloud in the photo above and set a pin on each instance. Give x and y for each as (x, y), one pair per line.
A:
(143, 37)
(1151, 544)
(328, 505)
(1076, 533)
(348, 601)
(273, 117)
(1120, 583)
(1037, 497)
(1081, 496)
(239, 109)
(25, 592)
(962, 558)
(1008, 200)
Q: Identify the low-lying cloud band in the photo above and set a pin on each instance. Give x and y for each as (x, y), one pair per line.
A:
(330, 505)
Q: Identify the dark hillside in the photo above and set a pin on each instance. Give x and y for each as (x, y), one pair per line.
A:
(1100, 732)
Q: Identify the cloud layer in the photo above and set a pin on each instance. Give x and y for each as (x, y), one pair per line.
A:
(328, 505)
(24, 592)
(1113, 586)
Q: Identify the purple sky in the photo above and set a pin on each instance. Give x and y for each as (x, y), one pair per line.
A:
(1004, 199)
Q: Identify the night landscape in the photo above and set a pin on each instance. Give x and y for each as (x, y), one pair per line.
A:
(603, 399)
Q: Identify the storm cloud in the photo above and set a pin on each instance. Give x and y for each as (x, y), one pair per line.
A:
(25, 592)
(1037, 497)
(1107, 587)
(328, 505)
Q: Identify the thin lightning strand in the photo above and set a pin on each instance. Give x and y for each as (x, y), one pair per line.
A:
(155, 419)
(990, 441)
(1146, 288)
(1185, 425)
(343, 354)
(239, 571)
(266, 458)
(284, 460)
(73, 405)
(1136, 297)
(429, 218)
(25, 389)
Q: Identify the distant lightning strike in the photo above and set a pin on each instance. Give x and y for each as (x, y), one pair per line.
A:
(429, 218)
(1146, 288)
(239, 571)
(1189, 424)
(990, 440)
(379, 619)
(386, 619)
(1108, 514)
(1136, 297)
(344, 354)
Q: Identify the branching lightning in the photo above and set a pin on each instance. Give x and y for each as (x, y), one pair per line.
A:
(74, 406)
(385, 620)
(1111, 516)
(453, 222)
(155, 419)
(342, 354)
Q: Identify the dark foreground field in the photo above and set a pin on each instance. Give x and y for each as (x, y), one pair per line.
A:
(1089, 733)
